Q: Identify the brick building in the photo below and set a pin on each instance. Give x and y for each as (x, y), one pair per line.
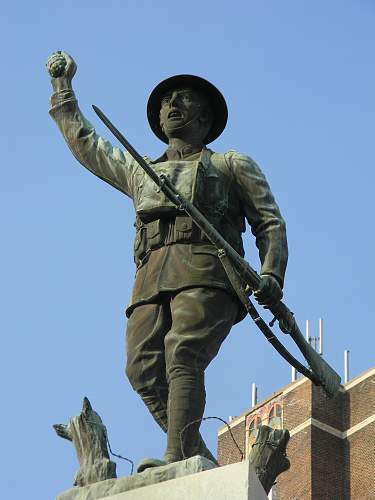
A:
(332, 444)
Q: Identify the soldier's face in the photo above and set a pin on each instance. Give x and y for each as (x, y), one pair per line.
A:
(181, 112)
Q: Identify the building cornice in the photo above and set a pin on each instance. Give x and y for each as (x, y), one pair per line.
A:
(360, 378)
(313, 422)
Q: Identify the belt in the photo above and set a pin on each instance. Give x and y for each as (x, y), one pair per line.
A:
(165, 231)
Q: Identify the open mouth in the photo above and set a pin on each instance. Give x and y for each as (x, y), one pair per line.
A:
(175, 114)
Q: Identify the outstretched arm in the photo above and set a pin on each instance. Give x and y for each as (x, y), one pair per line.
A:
(91, 150)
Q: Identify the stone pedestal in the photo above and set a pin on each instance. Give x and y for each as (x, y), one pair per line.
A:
(193, 479)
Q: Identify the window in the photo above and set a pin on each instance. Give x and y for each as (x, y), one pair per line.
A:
(275, 417)
(253, 430)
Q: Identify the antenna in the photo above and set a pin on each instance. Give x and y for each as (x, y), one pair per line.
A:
(254, 395)
(308, 331)
(346, 366)
(321, 336)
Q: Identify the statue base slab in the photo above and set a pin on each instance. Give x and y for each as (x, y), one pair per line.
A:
(194, 479)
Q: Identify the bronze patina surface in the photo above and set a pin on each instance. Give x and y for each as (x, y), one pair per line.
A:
(182, 306)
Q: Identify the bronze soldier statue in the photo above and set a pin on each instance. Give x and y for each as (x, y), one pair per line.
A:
(182, 305)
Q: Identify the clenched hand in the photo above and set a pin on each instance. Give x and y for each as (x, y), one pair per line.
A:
(269, 291)
(62, 68)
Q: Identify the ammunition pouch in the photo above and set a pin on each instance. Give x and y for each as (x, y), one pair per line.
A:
(168, 231)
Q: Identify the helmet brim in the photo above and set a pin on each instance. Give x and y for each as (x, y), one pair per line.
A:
(214, 97)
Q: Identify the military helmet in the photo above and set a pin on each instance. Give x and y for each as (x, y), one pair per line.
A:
(215, 99)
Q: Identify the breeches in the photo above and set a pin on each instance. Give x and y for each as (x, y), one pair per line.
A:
(180, 334)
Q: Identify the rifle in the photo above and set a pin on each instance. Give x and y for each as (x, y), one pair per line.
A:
(243, 278)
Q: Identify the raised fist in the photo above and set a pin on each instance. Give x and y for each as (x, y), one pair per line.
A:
(60, 64)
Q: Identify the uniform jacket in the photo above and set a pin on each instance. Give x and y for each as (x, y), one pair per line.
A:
(232, 184)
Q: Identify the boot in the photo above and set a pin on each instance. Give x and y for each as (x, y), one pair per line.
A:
(186, 402)
(156, 401)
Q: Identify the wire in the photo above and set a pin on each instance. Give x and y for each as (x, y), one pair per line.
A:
(202, 420)
(109, 444)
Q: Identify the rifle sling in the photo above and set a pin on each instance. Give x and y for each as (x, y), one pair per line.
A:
(261, 324)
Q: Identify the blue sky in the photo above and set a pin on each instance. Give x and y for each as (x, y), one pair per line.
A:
(299, 81)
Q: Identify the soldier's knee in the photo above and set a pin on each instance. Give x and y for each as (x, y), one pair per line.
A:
(181, 371)
(144, 381)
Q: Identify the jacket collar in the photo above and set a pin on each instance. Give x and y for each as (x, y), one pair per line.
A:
(185, 153)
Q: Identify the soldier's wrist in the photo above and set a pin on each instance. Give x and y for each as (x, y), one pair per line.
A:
(62, 96)
(61, 83)
(276, 278)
